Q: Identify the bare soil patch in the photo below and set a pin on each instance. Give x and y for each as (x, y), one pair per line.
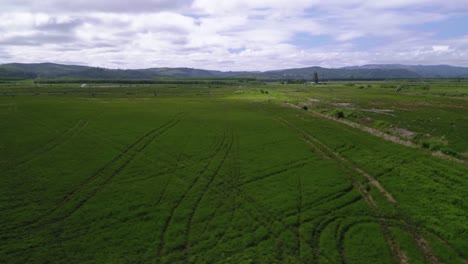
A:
(402, 132)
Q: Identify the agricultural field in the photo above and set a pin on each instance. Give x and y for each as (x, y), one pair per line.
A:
(234, 172)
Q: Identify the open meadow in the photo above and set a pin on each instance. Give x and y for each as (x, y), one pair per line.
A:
(234, 171)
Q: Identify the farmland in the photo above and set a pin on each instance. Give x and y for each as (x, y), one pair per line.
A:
(234, 171)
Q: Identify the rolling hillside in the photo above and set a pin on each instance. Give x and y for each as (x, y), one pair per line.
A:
(390, 71)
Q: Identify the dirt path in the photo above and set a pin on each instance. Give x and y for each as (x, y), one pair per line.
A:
(379, 133)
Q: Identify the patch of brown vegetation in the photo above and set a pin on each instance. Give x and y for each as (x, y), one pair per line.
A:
(402, 132)
(347, 105)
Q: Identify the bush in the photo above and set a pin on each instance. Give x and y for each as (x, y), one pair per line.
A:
(450, 152)
(380, 124)
(432, 144)
(338, 114)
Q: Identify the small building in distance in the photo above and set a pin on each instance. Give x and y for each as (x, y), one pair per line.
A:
(84, 85)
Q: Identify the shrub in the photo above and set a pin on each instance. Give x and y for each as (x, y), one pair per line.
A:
(338, 114)
(432, 144)
(380, 124)
(450, 152)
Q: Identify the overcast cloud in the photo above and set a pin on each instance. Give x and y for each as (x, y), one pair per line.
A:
(234, 34)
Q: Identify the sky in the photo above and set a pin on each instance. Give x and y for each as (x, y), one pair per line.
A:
(232, 35)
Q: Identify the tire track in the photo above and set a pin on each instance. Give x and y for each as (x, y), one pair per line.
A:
(275, 172)
(351, 169)
(323, 200)
(108, 172)
(317, 233)
(203, 194)
(396, 250)
(421, 243)
(86, 190)
(229, 197)
(260, 216)
(314, 241)
(299, 216)
(341, 234)
(53, 143)
(353, 200)
(161, 244)
(324, 150)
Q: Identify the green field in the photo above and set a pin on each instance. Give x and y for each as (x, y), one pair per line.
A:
(235, 172)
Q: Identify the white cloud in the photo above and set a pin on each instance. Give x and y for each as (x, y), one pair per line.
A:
(440, 48)
(227, 35)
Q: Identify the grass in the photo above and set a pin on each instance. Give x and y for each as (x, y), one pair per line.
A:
(190, 173)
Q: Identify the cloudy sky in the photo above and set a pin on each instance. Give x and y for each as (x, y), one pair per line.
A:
(234, 34)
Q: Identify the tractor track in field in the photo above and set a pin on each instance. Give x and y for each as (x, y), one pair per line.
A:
(314, 241)
(341, 234)
(323, 200)
(275, 172)
(261, 216)
(255, 212)
(163, 191)
(231, 182)
(132, 151)
(344, 163)
(317, 233)
(299, 216)
(205, 189)
(380, 134)
(397, 252)
(233, 211)
(161, 243)
(325, 152)
(266, 219)
(53, 143)
(394, 246)
(174, 167)
(343, 205)
(349, 167)
(106, 173)
(258, 214)
(171, 167)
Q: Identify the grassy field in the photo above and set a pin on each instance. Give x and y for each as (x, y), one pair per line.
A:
(234, 173)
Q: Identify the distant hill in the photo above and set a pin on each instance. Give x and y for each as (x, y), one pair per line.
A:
(327, 73)
(424, 71)
(373, 71)
(52, 70)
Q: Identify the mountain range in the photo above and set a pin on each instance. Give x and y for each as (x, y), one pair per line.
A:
(371, 71)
